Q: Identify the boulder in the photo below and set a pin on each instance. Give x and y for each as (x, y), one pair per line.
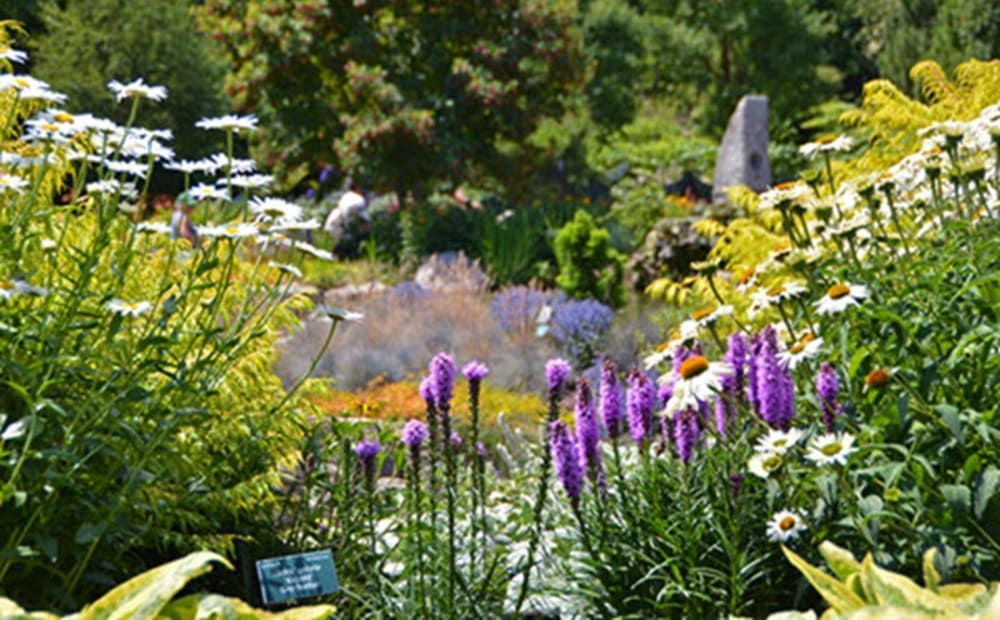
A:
(742, 158)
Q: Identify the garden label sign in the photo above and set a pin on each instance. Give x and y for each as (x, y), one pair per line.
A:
(297, 576)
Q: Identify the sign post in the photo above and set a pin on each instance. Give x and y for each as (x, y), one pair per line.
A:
(291, 577)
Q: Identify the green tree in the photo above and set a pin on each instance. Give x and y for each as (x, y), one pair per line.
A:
(709, 53)
(90, 42)
(404, 95)
(588, 266)
(615, 47)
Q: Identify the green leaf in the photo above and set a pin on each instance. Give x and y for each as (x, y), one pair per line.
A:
(986, 489)
(958, 495)
(838, 595)
(841, 561)
(144, 596)
(949, 415)
(932, 579)
(88, 532)
(216, 606)
(894, 590)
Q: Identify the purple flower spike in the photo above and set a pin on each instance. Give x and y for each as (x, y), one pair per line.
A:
(442, 369)
(828, 388)
(475, 371)
(556, 372)
(587, 432)
(480, 448)
(567, 463)
(775, 388)
(455, 440)
(611, 400)
(732, 385)
(640, 402)
(427, 391)
(664, 392)
(367, 451)
(686, 432)
(414, 433)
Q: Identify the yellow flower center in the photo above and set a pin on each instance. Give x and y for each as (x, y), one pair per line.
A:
(877, 378)
(774, 291)
(232, 230)
(693, 366)
(799, 346)
(832, 449)
(780, 443)
(746, 275)
(781, 247)
(50, 127)
(63, 117)
(772, 462)
(698, 315)
(838, 290)
(825, 139)
(7, 285)
(660, 348)
(785, 185)
(23, 83)
(787, 523)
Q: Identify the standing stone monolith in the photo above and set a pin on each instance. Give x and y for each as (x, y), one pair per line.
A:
(742, 158)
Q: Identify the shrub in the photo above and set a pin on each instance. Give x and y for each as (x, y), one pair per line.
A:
(588, 266)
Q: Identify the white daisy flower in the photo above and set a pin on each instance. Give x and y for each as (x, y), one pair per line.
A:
(109, 186)
(126, 308)
(698, 382)
(778, 442)
(235, 230)
(784, 526)
(662, 353)
(134, 168)
(207, 165)
(203, 191)
(160, 228)
(48, 245)
(310, 224)
(13, 55)
(137, 88)
(707, 316)
(229, 122)
(272, 209)
(190, 167)
(236, 166)
(763, 464)
(840, 297)
(10, 289)
(12, 183)
(746, 279)
(831, 449)
(785, 291)
(782, 192)
(289, 269)
(309, 248)
(30, 88)
(247, 181)
(826, 144)
(806, 348)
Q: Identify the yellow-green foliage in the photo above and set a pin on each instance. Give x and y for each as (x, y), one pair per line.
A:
(889, 121)
(863, 590)
(150, 595)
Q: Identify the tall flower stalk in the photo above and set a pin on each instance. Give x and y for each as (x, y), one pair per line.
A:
(474, 373)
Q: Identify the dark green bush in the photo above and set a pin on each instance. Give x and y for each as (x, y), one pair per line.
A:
(589, 268)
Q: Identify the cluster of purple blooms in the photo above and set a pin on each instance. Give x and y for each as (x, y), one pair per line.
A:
(758, 380)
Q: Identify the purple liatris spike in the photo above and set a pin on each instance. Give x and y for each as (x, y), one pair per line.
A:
(828, 388)
(753, 368)
(566, 460)
(686, 432)
(588, 434)
(611, 400)
(442, 370)
(732, 384)
(427, 392)
(367, 451)
(480, 448)
(475, 371)
(414, 433)
(663, 394)
(640, 400)
(556, 372)
(455, 440)
(775, 387)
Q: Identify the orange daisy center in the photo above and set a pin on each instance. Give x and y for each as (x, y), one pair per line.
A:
(693, 366)
(746, 275)
(698, 315)
(787, 523)
(877, 378)
(838, 290)
(801, 344)
(825, 139)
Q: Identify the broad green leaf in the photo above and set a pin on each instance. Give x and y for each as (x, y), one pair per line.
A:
(932, 579)
(199, 606)
(142, 597)
(985, 490)
(840, 561)
(833, 592)
(961, 591)
(88, 532)
(958, 495)
(894, 590)
(949, 415)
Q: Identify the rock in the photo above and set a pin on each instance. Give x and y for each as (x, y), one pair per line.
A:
(452, 272)
(668, 250)
(742, 158)
(352, 292)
